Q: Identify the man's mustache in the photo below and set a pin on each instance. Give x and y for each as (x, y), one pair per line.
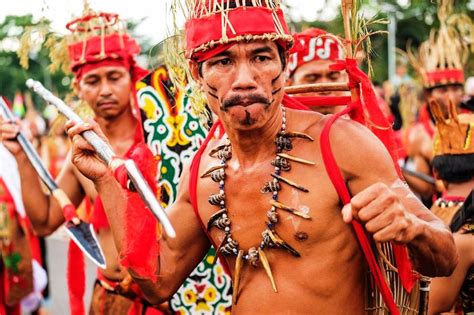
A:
(246, 100)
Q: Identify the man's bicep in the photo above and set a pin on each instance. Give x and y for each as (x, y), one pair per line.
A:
(361, 157)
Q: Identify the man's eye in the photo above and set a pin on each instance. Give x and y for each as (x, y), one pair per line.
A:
(223, 62)
(311, 78)
(91, 82)
(334, 76)
(262, 58)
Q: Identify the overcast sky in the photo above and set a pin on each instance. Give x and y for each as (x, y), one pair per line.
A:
(155, 11)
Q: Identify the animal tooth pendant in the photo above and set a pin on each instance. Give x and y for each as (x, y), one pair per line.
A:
(218, 175)
(295, 159)
(212, 169)
(230, 246)
(237, 271)
(224, 154)
(283, 143)
(289, 182)
(281, 206)
(282, 163)
(216, 199)
(296, 134)
(278, 241)
(270, 187)
(266, 266)
(217, 149)
(218, 219)
(253, 257)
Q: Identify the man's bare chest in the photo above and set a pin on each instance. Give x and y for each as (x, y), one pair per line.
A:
(307, 207)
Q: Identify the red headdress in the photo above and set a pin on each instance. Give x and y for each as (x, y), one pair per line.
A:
(314, 44)
(99, 39)
(213, 26)
(441, 59)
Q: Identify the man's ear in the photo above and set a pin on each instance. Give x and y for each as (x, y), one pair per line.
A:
(195, 73)
(75, 86)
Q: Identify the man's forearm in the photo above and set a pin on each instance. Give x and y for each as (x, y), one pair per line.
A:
(36, 202)
(115, 204)
(433, 252)
(114, 201)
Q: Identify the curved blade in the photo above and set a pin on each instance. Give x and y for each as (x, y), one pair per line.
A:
(83, 235)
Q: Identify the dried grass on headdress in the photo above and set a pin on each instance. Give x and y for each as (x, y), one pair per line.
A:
(180, 75)
(446, 48)
(37, 36)
(361, 29)
(177, 64)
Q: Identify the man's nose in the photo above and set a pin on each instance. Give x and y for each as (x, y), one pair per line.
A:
(105, 88)
(245, 77)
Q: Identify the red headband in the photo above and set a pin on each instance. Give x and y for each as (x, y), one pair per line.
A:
(110, 50)
(444, 77)
(311, 45)
(205, 35)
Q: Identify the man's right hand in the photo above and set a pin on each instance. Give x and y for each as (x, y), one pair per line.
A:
(8, 132)
(84, 156)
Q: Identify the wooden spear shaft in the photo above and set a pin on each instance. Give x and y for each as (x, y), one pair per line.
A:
(317, 87)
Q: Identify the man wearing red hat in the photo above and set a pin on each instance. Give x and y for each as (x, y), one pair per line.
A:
(261, 194)
(101, 57)
(314, 51)
(440, 65)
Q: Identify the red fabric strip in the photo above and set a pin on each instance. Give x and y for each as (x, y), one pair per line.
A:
(76, 279)
(340, 186)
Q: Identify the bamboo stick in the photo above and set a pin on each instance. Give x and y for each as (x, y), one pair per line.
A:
(317, 87)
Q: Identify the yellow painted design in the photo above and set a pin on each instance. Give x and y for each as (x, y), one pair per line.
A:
(210, 259)
(150, 109)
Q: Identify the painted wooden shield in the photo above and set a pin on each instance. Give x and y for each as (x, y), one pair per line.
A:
(174, 134)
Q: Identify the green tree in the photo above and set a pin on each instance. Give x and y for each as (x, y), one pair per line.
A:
(13, 76)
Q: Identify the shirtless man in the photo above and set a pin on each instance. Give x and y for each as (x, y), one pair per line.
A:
(107, 86)
(243, 83)
(310, 61)
(442, 76)
(453, 163)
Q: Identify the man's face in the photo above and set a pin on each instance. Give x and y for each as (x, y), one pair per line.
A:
(318, 72)
(244, 84)
(107, 90)
(444, 94)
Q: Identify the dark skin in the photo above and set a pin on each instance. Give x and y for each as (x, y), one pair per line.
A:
(381, 202)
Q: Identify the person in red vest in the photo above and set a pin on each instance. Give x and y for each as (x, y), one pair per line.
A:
(101, 58)
(263, 194)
